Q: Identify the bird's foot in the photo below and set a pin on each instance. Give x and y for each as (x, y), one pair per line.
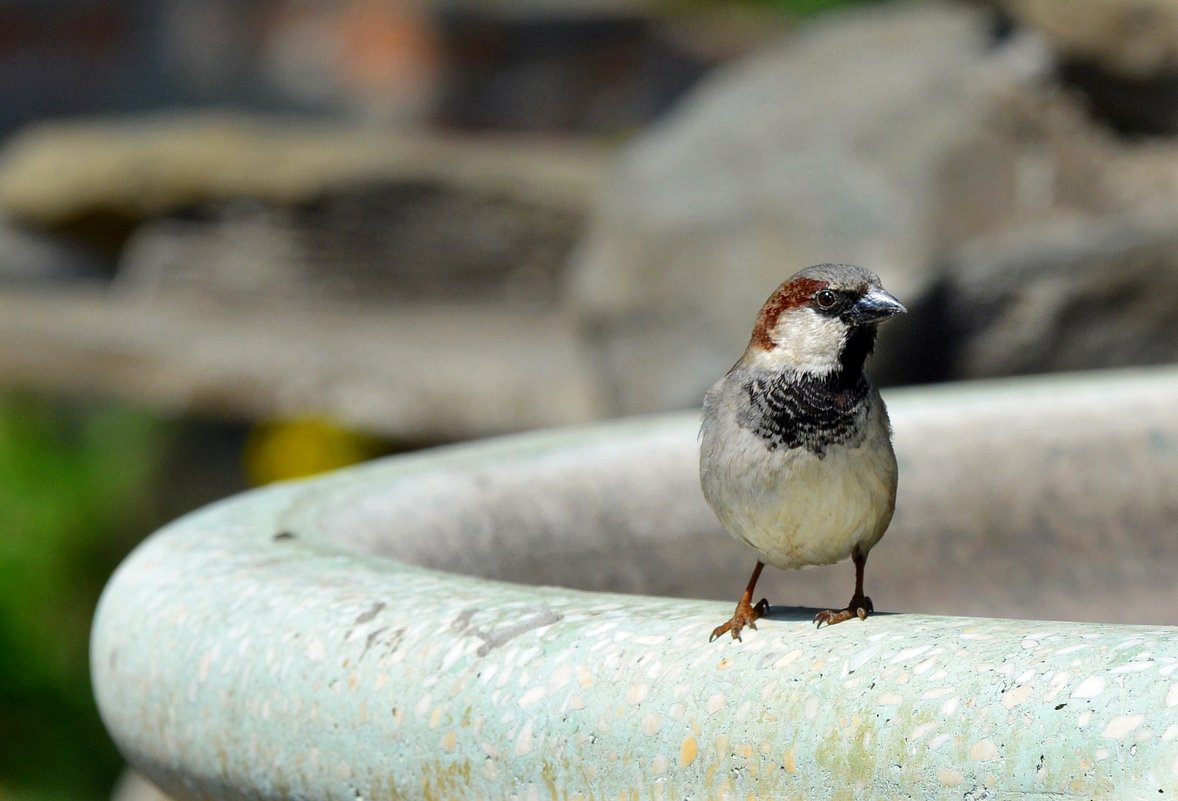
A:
(860, 607)
(745, 615)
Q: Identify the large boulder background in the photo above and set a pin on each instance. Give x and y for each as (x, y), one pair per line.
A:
(938, 144)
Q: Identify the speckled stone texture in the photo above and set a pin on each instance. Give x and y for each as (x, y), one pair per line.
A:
(304, 641)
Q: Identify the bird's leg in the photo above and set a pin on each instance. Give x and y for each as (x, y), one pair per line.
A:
(745, 612)
(860, 605)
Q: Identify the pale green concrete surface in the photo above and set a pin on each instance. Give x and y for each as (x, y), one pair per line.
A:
(260, 648)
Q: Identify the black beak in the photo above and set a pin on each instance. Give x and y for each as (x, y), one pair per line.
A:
(873, 307)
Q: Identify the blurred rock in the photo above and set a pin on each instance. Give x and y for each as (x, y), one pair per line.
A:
(926, 141)
(1077, 295)
(1056, 242)
(1133, 38)
(99, 180)
(397, 283)
(385, 243)
(919, 140)
(1146, 107)
(31, 257)
(1032, 156)
(827, 147)
(419, 374)
(1122, 54)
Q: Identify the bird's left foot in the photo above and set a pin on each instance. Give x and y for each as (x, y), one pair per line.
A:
(860, 607)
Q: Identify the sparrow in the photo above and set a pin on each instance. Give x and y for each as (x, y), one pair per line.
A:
(796, 454)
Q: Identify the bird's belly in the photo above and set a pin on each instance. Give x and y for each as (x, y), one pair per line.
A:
(795, 509)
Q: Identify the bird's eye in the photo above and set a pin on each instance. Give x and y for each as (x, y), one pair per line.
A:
(826, 299)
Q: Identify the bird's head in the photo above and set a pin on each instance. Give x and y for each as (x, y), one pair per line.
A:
(818, 319)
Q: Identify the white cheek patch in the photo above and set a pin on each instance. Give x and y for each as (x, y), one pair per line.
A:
(806, 342)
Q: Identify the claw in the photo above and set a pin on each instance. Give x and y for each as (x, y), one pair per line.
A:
(744, 615)
(860, 607)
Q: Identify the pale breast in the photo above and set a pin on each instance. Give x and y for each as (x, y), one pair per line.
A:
(793, 506)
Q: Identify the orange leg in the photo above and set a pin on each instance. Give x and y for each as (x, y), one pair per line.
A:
(860, 605)
(745, 613)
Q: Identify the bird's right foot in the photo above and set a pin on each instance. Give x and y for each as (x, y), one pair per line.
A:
(745, 615)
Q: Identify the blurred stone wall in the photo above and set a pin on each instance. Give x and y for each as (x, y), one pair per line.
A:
(1010, 169)
(405, 171)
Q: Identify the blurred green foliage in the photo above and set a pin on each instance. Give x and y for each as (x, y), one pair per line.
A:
(74, 498)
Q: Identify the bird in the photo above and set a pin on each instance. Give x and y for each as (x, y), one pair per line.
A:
(796, 457)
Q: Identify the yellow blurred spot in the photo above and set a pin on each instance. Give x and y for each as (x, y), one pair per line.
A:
(286, 449)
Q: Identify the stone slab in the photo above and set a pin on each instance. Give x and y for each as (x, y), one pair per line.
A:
(419, 374)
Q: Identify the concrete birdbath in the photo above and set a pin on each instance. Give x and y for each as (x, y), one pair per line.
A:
(459, 623)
